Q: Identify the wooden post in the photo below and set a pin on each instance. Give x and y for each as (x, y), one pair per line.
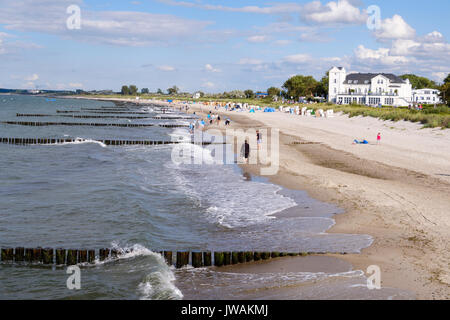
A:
(37, 255)
(114, 253)
(248, 256)
(234, 258)
(72, 257)
(207, 259)
(257, 256)
(82, 256)
(60, 257)
(241, 257)
(19, 254)
(7, 254)
(47, 256)
(182, 259)
(29, 255)
(218, 259)
(91, 256)
(197, 260)
(226, 258)
(103, 254)
(265, 255)
(168, 257)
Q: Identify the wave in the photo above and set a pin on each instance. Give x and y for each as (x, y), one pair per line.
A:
(226, 197)
(82, 141)
(157, 284)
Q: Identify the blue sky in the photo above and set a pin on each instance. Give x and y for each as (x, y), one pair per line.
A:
(215, 46)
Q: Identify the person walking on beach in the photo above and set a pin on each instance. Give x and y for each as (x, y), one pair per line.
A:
(258, 139)
(378, 138)
(245, 151)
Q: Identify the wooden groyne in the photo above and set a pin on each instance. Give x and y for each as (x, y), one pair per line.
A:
(109, 142)
(82, 116)
(102, 112)
(197, 259)
(124, 125)
(102, 117)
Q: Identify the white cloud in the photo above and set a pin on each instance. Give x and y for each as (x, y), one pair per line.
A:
(280, 8)
(440, 76)
(208, 84)
(298, 58)
(250, 61)
(75, 85)
(334, 12)
(395, 28)
(166, 68)
(258, 39)
(210, 68)
(32, 77)
(125, 28)
(380, 56)
(2, 49)
(282, 42)
(434, 37)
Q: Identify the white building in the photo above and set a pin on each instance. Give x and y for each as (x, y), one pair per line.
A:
(368, 88)
(196, 95)
(427, 96)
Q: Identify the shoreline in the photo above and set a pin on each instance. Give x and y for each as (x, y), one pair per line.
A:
(393, 204)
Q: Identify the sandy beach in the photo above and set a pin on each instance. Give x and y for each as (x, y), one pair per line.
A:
(397, 192)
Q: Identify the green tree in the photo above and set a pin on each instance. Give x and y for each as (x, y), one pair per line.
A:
(445, 93)
(159, 91)
(447, 80)
(249, 94)
(418, 82)
(133, 90)
(322, 86)
(173, 91)
(145, 91)
(273, 91)
(300, 86)
(125, 90)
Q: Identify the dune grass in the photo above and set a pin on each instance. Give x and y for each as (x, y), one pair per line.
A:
(430, 117)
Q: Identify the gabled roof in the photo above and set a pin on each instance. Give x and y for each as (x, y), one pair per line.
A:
(363, 77)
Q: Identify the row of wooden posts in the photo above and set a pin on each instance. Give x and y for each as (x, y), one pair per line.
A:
(101, 111)
(133, 125)
(101, 117)
(50, 256)
(25, 141)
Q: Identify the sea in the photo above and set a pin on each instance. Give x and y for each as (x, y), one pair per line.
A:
(137, 199)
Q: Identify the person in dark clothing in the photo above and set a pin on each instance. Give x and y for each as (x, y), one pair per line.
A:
(245, 151)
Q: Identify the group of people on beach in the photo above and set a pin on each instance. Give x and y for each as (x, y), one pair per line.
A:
(211, 120)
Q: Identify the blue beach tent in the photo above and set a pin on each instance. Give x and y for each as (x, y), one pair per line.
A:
(269, 110)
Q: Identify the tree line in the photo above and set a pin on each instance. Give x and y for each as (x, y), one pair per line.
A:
(295, 87)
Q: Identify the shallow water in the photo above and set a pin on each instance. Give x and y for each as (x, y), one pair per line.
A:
(88, 195)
